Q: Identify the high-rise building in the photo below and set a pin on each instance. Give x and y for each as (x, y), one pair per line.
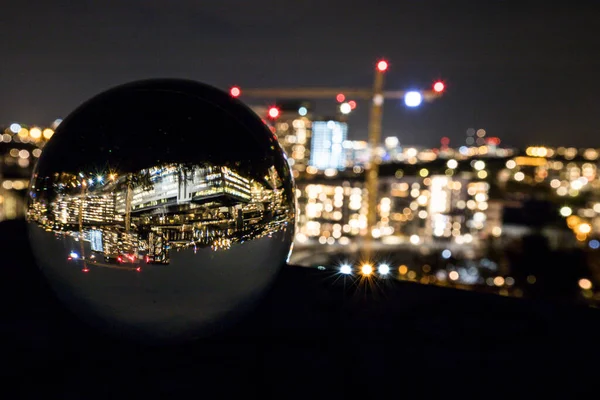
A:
(326, 146)
(393, 149)
(292, 126)
(357, 153)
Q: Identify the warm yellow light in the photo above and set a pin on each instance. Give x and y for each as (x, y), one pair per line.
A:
(35, 133)
(585, 228)
(23, 132)
(403, 269)
(48, 133)
(585, 284)
(366, 269)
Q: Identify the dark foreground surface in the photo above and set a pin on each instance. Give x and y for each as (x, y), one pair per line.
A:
(310, 338)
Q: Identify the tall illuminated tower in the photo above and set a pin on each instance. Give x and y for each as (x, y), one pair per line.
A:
(327, 151)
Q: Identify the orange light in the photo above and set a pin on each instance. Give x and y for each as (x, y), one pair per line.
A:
(235, 91)
(382, 65)
(366, 269)
(340, 98)
(273, 112)
(352, 104)
(439, 86)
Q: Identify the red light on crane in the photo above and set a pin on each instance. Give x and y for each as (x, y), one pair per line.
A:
(273, 112)
(340, 98)
(352, 104)
(382, 65)
(439, 86)
(235, 91)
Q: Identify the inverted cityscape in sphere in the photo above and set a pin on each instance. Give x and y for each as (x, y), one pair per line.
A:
(161, 210)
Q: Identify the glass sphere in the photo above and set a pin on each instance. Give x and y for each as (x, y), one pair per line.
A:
(160, 210)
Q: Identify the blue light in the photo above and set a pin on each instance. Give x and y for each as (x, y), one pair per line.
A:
(446, 254)
(594, 244)
(413, 99)
(302, 111)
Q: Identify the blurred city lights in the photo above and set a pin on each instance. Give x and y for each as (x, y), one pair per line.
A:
(585, 284)
(416, 209)
(15, 128)
(235, 91)
(345, 108)
(382, 65)
(439, 86)
(35, 133)
(415, 239)
(346, 269)
(273, 112)
(383, 269)
(366, 269)
(413, 99)
(566, 211)
(48, 133)
(56, 123)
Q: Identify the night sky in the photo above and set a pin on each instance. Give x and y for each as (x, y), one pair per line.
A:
(526, 71)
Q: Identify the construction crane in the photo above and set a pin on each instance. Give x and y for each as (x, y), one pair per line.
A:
(377, 95)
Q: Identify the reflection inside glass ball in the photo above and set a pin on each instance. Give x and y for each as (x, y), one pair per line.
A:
(161, 210)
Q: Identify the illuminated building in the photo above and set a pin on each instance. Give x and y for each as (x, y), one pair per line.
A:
(292, 126)
(439, 206)
(326, 146)
(173, 185)
(93, 209)
(393, 149)
(208, 183)
(357, 153)
(20, 146)
(331, 212)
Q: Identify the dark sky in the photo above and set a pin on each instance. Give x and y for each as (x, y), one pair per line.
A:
(526, 71)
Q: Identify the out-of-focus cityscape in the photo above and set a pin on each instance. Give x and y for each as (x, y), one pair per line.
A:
(474, 215)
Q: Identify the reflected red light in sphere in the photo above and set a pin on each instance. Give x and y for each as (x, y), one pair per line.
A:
(352, 104)
(439, 86)
(382, 65)
(445, 141)
(273, 112)
(235, 91)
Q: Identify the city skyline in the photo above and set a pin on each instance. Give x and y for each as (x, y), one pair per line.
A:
(449, 217)
(521, 70)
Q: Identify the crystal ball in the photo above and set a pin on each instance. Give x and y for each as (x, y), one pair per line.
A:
(161, 210)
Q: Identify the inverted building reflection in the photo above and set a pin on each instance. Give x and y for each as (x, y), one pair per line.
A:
(128, 219)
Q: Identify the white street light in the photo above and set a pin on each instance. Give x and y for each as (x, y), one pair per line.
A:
(413, 99)
(345, 108)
